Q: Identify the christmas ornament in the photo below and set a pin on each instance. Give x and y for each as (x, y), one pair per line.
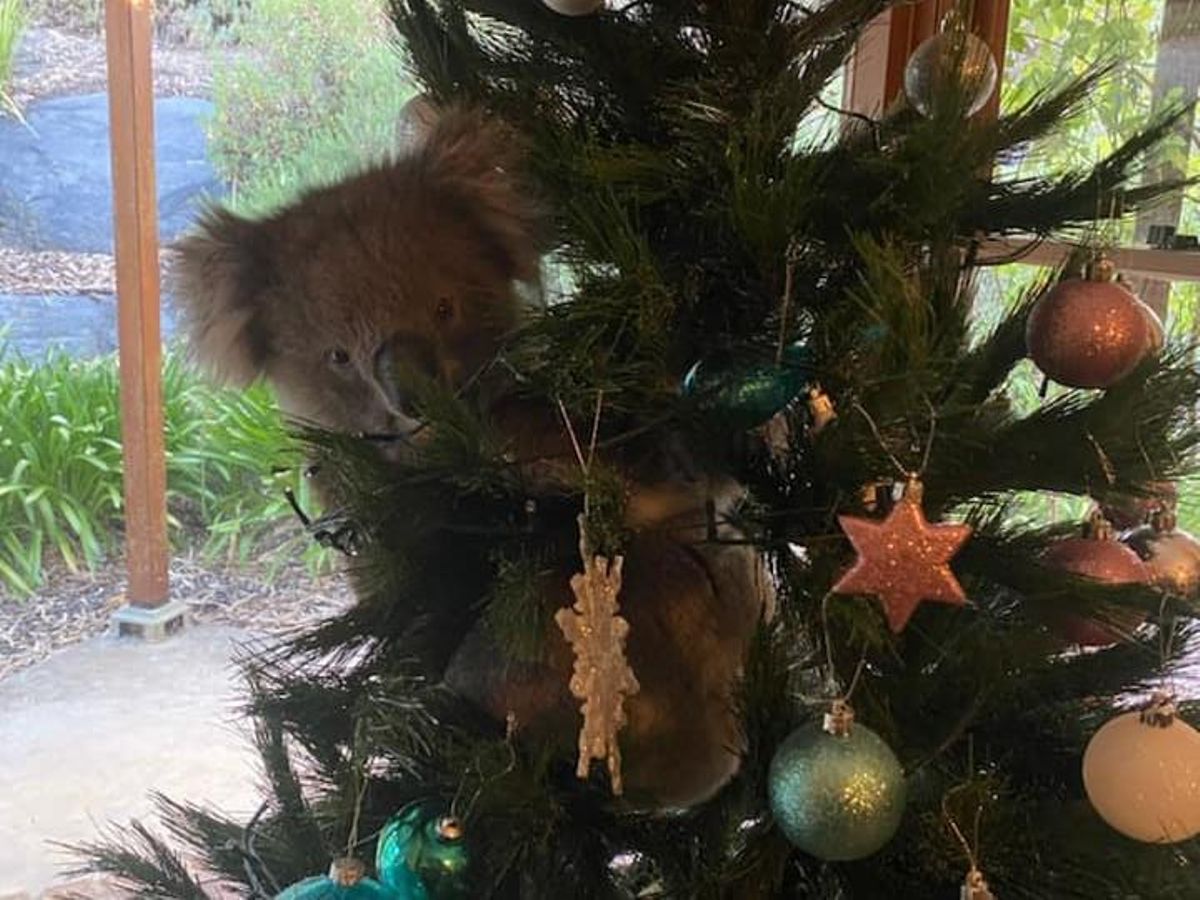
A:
(903, 559)
(602, 676)
(1141, 771)
(747, 396)
(820, 409)
(954, 66)
(1089, 332)
(422, 856)
(837, 790)
(1171, 556)
(574, 7)
(1099, 556)
(1126, 511)
(975, 887)
(346, 881)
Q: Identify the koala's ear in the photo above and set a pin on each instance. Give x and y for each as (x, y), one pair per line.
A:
(219, 274)
(475, 165)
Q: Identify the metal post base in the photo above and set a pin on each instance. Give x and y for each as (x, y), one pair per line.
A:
(150, 623)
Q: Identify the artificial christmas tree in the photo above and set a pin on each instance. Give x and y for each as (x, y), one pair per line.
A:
(704, 235)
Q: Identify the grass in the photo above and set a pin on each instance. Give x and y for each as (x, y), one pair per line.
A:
(13, 22)
(313, 92)
(60, 468)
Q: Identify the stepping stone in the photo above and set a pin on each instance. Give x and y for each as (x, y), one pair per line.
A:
(56, 182)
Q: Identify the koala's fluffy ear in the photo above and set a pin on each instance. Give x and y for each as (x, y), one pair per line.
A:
(218, 276)
(474, 165)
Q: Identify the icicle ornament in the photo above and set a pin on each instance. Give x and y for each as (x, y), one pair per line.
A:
(602, 677)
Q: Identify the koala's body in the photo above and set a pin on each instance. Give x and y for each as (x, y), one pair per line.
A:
(413, 264)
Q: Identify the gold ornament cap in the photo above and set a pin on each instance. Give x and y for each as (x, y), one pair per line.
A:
(450, 829)
(1098, 528)
(1102, 268)
(347, 871)
(1159, 711)
(975, 887)
(839, 719)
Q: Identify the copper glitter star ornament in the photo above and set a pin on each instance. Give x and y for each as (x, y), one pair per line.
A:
(602, 676)
(903, 559)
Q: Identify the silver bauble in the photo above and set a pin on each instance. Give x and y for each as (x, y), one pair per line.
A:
(575, 7)
(953, 65)
(1171, 556)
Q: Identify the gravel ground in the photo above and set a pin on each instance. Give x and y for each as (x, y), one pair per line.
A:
(72, 608)
(55, 272)
(51, 62)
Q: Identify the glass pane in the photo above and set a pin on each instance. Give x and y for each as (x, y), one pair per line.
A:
(1154, 46)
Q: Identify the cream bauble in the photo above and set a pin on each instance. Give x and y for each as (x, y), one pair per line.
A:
(1141, 771)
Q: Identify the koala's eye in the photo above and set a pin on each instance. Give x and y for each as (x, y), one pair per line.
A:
(444, 310)
(337, 357)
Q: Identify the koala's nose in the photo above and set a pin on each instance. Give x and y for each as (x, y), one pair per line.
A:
(384, 369)
(400, 359)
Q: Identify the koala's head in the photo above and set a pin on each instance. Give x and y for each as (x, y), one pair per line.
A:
(410, 266)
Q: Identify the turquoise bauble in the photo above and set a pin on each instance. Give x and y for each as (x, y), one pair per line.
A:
(345, 881)
(743, 397)
(422, 856)
(836, 797)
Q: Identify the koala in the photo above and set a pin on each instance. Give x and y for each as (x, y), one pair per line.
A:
(412, 264)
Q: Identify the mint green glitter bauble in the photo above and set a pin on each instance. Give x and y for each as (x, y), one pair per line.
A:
(422, 856)
(836, 797)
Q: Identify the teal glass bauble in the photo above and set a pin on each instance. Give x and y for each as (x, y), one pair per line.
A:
(836, 797)
(745, 396)
(423, 856)
(345, 881)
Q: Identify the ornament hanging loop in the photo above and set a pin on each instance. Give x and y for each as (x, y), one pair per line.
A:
(1160, 711)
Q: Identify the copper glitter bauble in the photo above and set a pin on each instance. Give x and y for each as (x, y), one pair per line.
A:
(1109, 561)
(1141, 771)
(1158, 334)
(1126, 511)
(1171, 557)
(1089, 334)
(903, 559)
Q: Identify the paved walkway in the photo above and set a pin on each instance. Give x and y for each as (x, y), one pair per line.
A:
(85, 735)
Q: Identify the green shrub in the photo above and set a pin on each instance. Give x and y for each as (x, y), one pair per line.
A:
(60, 467)
(313, 90)
(12, 25)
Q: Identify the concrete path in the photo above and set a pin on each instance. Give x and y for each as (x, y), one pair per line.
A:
(85, 735)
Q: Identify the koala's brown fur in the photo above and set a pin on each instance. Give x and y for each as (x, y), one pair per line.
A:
(413, 263)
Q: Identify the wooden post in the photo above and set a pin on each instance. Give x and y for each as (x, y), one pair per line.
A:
(128, 29)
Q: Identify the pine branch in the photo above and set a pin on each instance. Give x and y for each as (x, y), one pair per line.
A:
(141, 862)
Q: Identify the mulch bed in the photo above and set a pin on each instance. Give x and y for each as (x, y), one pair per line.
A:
(72, 608)
(51, 62)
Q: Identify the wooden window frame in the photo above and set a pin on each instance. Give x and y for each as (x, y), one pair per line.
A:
(876, 77)
(129, 40)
